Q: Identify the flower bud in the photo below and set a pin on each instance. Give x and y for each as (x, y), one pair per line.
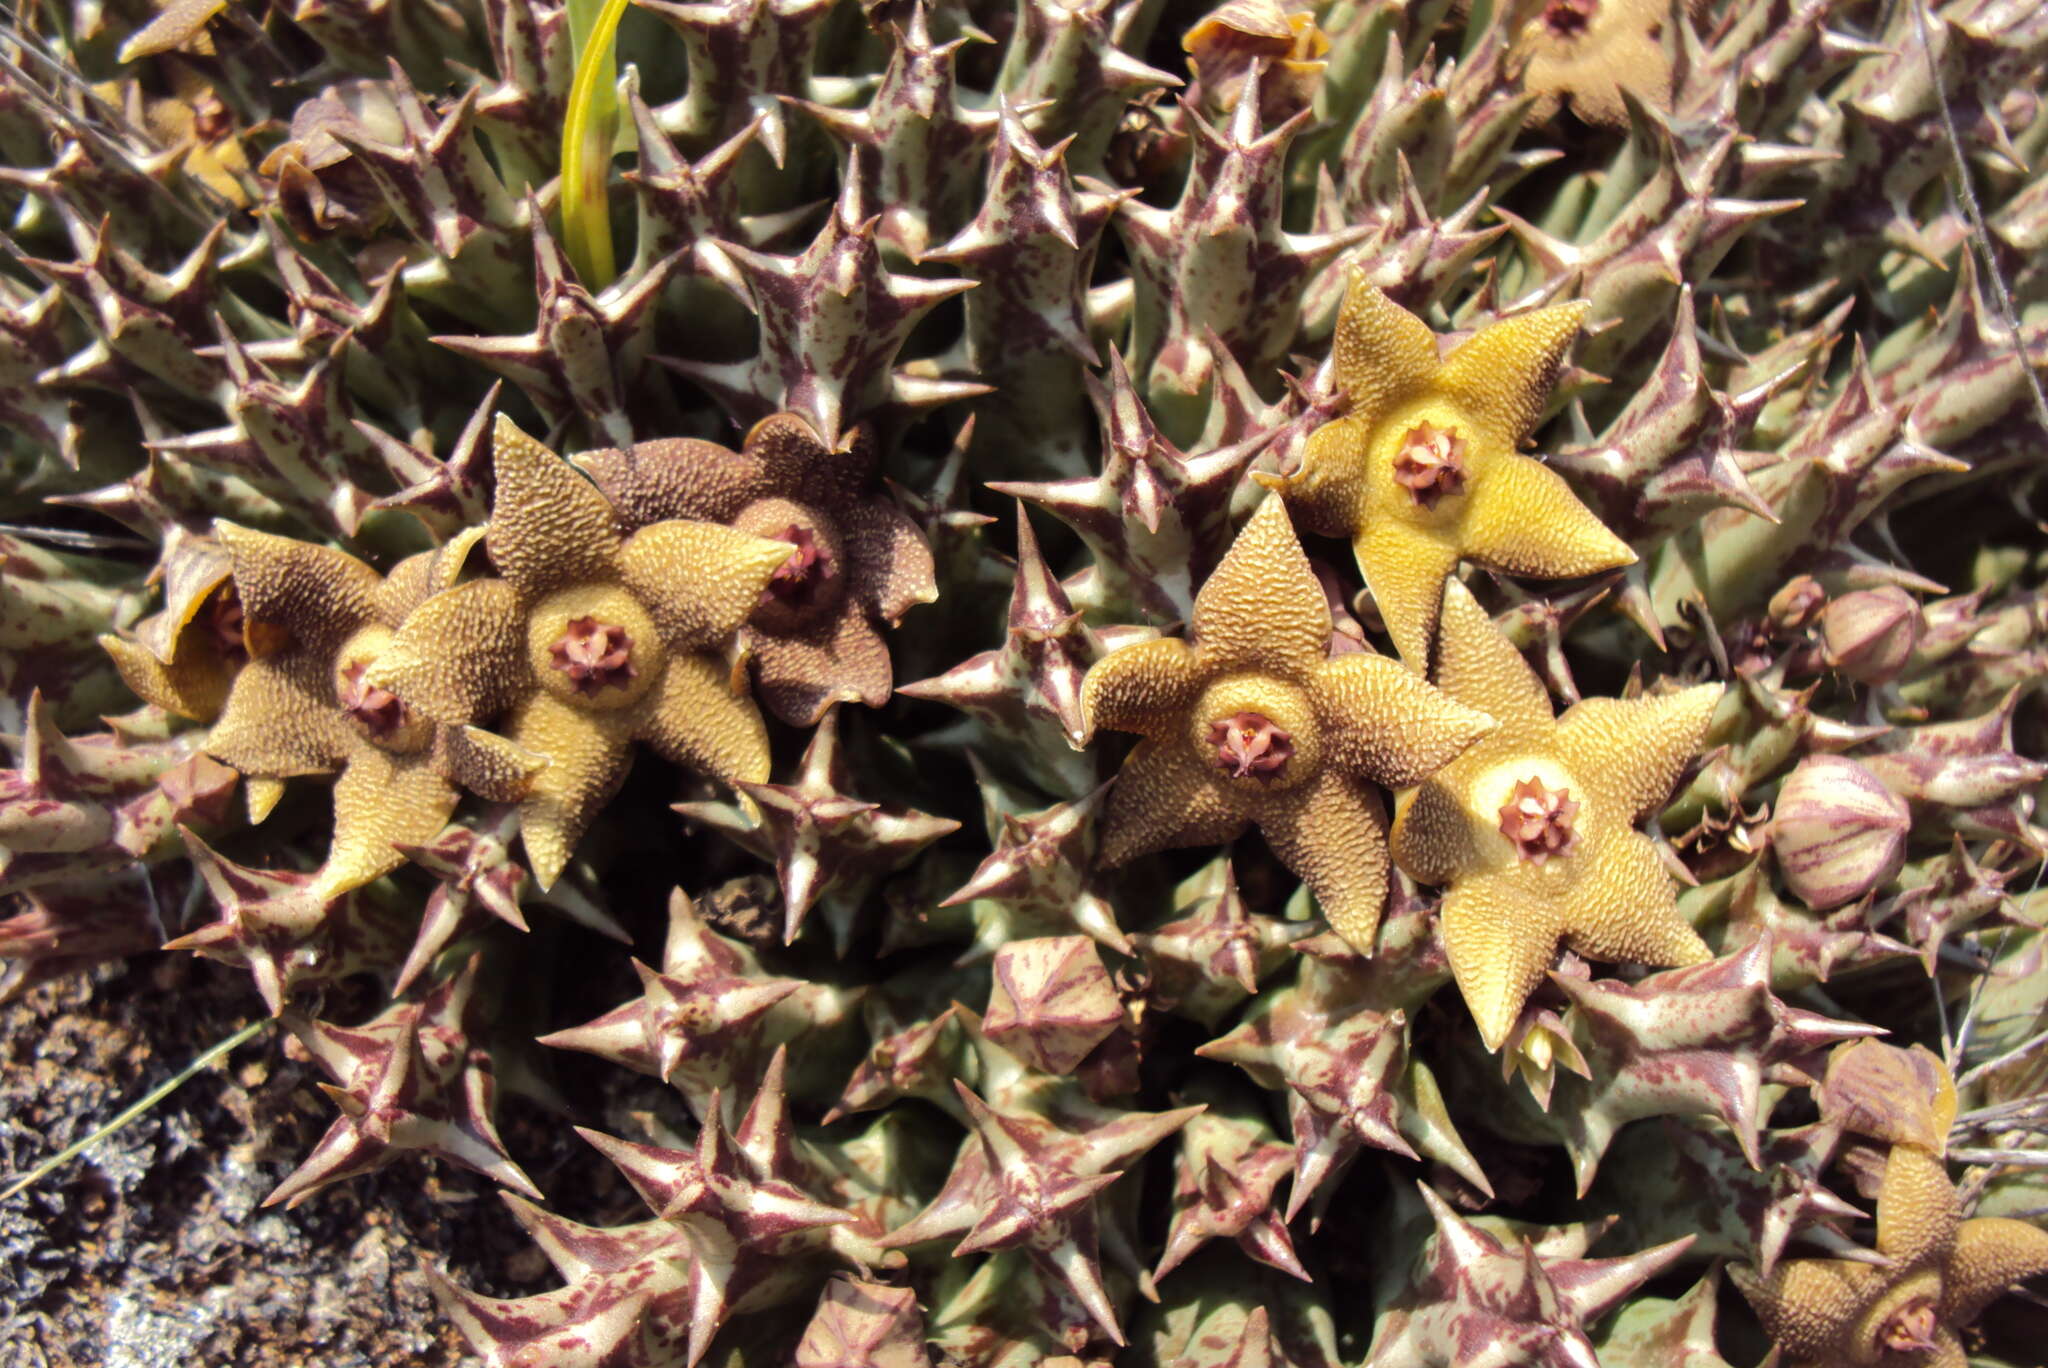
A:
(1869, 635)
(1794, 607)
(1838, 831)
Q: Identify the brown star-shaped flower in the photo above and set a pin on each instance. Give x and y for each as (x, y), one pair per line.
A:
(860, 562)
(591, 641)
(1944, 1271)
(1532, 830)
(1587, 52)
(1252, 722)
(314, 620)
(1423, 471)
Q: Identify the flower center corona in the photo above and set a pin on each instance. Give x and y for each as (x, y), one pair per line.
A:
(377, 710)
(1249, 746)
(1568, 18)
(1911, 1329)
(594, 655)
(1431, 463)
(224, 621)
(1539, 821)
(798, 577)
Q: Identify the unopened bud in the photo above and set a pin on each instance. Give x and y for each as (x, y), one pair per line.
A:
(1870, 635)
(1838, 831)
(1794, 607)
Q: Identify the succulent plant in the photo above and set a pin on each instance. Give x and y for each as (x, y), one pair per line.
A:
(468, 455)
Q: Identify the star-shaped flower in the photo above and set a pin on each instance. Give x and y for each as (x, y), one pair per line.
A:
(1423, 471)
(860, 562)
(1944, 1271)
(1532, 831)
(1587, 52)
(591, 641)
(314, 620)
(1251, 721)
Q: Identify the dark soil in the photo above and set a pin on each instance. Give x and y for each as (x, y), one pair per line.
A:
(154, 1249)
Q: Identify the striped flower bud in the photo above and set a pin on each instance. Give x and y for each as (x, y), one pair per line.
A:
(1838, 831)
(1869, 635)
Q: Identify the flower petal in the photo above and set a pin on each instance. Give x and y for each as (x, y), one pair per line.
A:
(1481, 669)
(320, 595)
(487, 764)
(588, 754)
(1524, 519)
(1382, 721)
(842, 659)
(700, 581)
(1326, 492)
(676, 477)
(381, 799)
(194, 684)
(1262, 606)
(549, 526)
(1501, 943)
(281, 720)
(461, 656)
(1405, 567)
(1164, 799)
(1332, 832)
(1145, 687)
(1503, 374)
(1624, 910)
(890, 563)
(1382, 354)
(1631, 751)
(693, 717)
(1433, 837)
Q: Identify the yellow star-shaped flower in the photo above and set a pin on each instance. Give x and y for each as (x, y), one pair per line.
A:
(1532, 830)
(1253, 722)
(1587, 52)
(314, 619)
(591, 641)
(1423, 470)
(1826, 1313)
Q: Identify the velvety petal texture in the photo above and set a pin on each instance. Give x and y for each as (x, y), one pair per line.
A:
(1424, 471)
(1251, 722)
(1532, 830)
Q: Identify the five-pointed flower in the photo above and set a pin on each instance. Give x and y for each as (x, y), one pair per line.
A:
(1944, 1271)
(1423, 470)
(1532, 830)
(1587, 52)
(1252, 722)
(591, 641)
(315, 619)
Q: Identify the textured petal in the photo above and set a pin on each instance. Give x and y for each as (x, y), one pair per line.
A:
(1625, 910)
(1383, 722)
(1383, 354)
(549, 526)
(1524, 519)
(1917, 1208)
(1433, 836)
(381, 799)
(1164, 799)
(693, 717)
(588, 754)
(461, 655)
(1262, 606)
(677, 477)
(1631, 751)
(1145, 687)
(1503, 374)
(842, 659)
(1500, 946)
(318, 594)
(281, 720)
(698, 580)
(487, 764)
(891, 564)
(194, 684)
(1992, 1253)
(1326, 494)
(1807, 1301)
(796, 460)
(1332, 832)
(1405, 567)
(1481, 669)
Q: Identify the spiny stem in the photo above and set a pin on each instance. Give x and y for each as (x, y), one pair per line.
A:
(143, 1104)
(587, 142)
